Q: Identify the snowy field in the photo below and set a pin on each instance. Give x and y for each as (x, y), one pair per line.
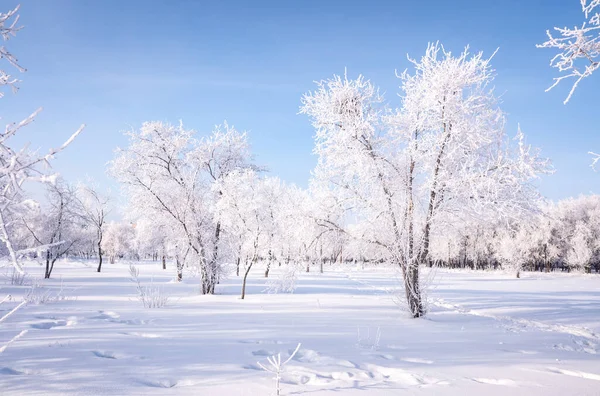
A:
(486, 333)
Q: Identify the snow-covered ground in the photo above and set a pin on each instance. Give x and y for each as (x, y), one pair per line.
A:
(486, 333)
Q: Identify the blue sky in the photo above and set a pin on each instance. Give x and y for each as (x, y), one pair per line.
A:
(115, 64)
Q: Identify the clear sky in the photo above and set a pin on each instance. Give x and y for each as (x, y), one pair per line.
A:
(115, 64)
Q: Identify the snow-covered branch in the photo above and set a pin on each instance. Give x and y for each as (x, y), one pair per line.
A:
(18, 167)
(579, 48)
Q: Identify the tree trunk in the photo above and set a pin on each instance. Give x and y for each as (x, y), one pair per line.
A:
(52, 265)
(99, 257)
(239, 258)
(411, 265)
(270, 259)
(213, 273)
(246, 277)
(254, 259)
(179, 266)
(413, 291)
(321, 257)
(433, 192)
(47, 273)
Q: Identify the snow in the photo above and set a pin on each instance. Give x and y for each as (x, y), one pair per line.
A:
(486, 333)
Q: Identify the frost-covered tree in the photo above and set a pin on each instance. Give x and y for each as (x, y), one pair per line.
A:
(162, 185)
(224, 151)
(513, 246)
(17, 166)
(324, 215)
(580, 251)
(94, 207)
(118, 240)
(151, 238)
(168, 174)
(244, 211)
(443, 154)
(574, 232)
(579, 47)
(55, 229)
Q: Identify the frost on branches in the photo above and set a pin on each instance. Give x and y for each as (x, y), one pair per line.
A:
(94, 208)
(562, 236)
(168, 174)
(246, 211)
(579, 47)
(119, 241)
(56, 230)
(264, 219)
(17, 166)
(442, 157)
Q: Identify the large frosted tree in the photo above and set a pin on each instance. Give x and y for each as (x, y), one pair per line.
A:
(443, 154)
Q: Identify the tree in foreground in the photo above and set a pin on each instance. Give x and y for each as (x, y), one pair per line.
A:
(17, 167)
(443, 156)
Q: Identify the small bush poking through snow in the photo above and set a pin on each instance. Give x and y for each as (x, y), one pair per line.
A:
(16, 278)
(38, 294)
(276, 367)
(368, 340)
(150, 296)
(285, 282)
